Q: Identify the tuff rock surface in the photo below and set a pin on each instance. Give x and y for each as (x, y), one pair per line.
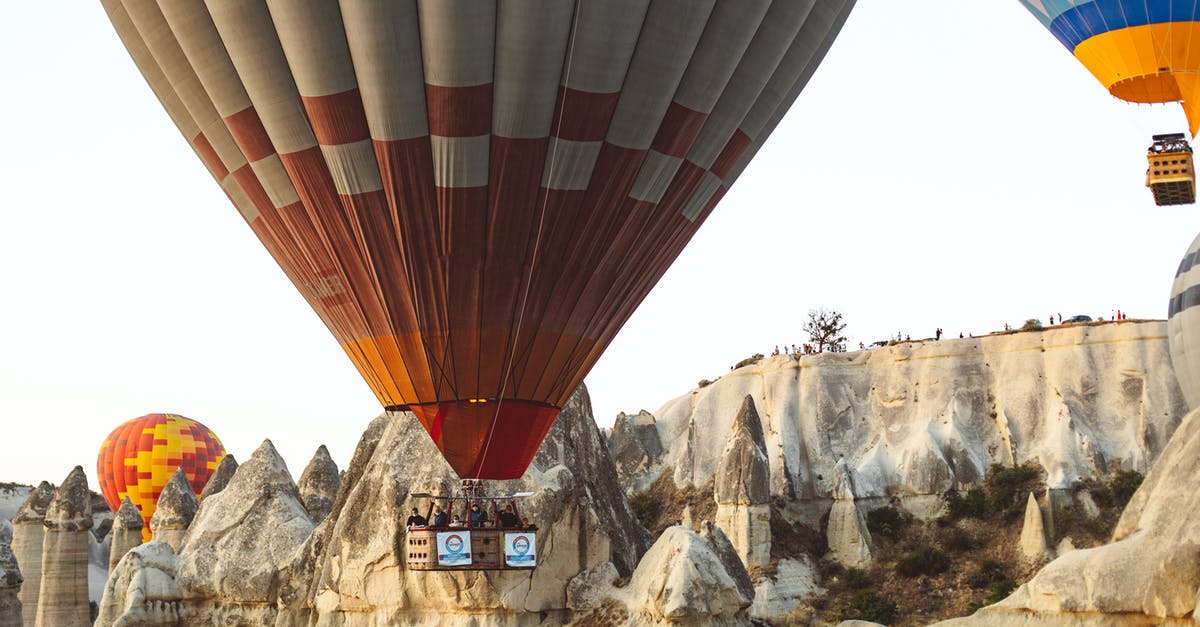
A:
(29, 532)
(919, 418)
(63, 596)
(220, 478)
(319, 484)
(126, 532)
(175, 510)
(1033, 544)
(742, 488)
(634, 444)
(1149, 574)
(847, 534)
(10, 579)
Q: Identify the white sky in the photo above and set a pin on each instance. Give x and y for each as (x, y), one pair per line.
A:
(949, 165)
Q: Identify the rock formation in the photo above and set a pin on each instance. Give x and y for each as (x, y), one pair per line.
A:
(686, 578)
(742, 489)
(141, 591)
(63, 598)
(919, 418)
(175, 510)
(10, 579)
(847, 534)
(220, 478)
(634, 445)
(319, 485)
(28, 533)
(1033, 544)
(126, 532)
(1149, 574)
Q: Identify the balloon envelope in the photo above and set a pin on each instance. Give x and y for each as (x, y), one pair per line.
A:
(475, 196)
(1140, 50)
(139, 457)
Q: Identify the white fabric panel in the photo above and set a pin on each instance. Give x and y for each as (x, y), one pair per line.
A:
(1183, 334)
(779, 29)
(704, 192)
(531, 41)
(249, 35)
(153, 74)
(385, 46)
(353, 167)
(826, 16)
(319, 70)
(729, 31)
(460, 161)
(569, 164)
(201, 43)
(602, 44)
(658, 170)
(457, 40)
(669, 35)
(162, 44)
(240, 200)
(275, 181)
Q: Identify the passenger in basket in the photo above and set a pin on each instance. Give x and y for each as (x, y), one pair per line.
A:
(414, 520)
(457, 522)
(478, 516)
(440, 519)
(508, 519)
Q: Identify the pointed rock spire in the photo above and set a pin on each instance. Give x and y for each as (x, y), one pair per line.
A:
(63, 595)
(10, 579)
(319, 485)
(1033, 535)
(126, 532)
(33, 510)
(221, 477)
(28, 533)
(175, 510)
(743, 473)
(847, 534)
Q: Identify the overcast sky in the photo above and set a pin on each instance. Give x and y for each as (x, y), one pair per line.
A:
(950, 165)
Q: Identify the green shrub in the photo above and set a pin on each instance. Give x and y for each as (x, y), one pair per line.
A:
(925, 560)
(645, 508)
(1124, 485)
(957, 540)
(1032, 324)
(1007, 488)
(999, 590)
(704, 383)
(753, 359)
(886, 522)
(829, 568)
(972, 505)
(990, 572)
(871, 607)
(858, 579)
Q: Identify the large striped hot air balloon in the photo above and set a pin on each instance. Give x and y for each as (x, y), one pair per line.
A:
(1140, 50)
(139, 457)
(475, 195)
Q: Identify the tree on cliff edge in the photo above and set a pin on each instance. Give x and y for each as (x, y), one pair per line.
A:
(824, 329)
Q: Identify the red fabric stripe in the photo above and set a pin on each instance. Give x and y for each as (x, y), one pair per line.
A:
(582, 115)
(729, 156)
(459, 111)
(337, 118)
(247, 130)
(679, 128)
(253, 188)
(210, 157)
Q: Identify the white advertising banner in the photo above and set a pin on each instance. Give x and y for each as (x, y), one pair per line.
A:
(520, 549)
(454, 548)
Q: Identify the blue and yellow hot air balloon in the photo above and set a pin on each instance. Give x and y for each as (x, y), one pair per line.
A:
(1141, 51)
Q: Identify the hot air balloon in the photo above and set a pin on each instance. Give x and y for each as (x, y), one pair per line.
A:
(1141, 51)
(473, 195)
(138, 458)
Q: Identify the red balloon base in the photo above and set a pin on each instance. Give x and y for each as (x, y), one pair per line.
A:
(484, 438)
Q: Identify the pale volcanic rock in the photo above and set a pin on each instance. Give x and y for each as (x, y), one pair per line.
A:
(241, 541)
(1033, 544)
(794, 582)
(1149, 574)
(742, 488)
(634, 445)
(689, 578)
(126, 532)
(175, 510)
(10, 579)
(847, 534)
(319, 484)
(919, 418)
(63, 595)
(142, 591)
(220, 477)
(28, 535)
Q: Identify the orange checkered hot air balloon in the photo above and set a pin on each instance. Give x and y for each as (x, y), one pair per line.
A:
(138, 458)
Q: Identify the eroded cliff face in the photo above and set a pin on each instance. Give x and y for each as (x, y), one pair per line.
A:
(920, 418)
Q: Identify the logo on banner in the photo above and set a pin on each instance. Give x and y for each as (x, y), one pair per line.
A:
(520, 549)
(454, 548)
